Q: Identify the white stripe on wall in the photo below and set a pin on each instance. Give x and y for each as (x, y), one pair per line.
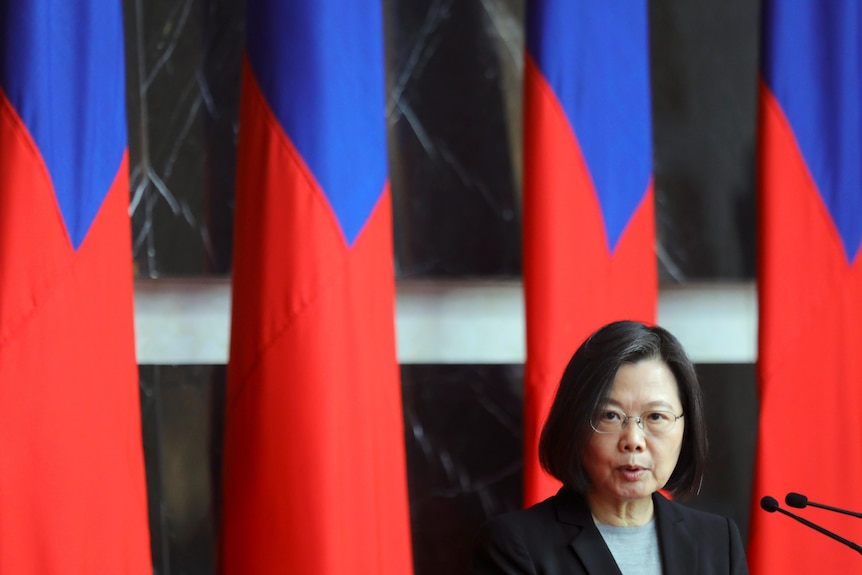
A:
(187, 321)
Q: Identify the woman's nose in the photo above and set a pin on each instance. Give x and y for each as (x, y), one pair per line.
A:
(632, 437)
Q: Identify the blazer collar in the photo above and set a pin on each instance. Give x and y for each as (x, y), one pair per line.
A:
(678, 547)
(587, 543)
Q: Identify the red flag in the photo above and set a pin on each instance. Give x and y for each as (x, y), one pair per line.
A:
(810, 283)
(72, 483)
(589, 230)
(314, 465)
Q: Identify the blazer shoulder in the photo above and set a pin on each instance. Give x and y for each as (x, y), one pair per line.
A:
(552, 523)
(539, 539)
(508, 543)
(520, 522)
(676, 511)
(717, 536)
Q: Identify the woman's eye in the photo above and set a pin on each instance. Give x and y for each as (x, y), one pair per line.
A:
(656, 416)
(611, 416)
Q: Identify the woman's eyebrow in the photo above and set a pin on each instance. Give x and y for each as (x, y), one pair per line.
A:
(649, 405)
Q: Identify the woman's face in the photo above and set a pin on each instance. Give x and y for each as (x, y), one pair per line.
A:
(632, 464)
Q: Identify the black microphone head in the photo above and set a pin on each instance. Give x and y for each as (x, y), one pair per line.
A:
(768, 503)
(796, 500)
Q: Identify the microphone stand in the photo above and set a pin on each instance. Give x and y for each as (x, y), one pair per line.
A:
(770, 505)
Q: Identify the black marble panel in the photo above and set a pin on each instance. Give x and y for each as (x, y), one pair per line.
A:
(182, 413)
(464, 437)
(731, 400)
(704, 86)
(454, 96)
(182, 80)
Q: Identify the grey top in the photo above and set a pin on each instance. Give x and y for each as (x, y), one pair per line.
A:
(635, 549)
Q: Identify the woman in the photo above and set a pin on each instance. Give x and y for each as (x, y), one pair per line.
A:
(626, 421)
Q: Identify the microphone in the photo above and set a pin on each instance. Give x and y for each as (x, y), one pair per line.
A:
(799, 501)
(770, 505)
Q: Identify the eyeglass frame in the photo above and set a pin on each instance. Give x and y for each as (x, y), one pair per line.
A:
(638, 420)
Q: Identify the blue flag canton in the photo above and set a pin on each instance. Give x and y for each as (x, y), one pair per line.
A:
(812, 62)
(320, 68)
(595, 56)
(62, 68)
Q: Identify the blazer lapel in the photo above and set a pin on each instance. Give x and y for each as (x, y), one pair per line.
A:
(588, 544)
(594, 554)
(678, 546)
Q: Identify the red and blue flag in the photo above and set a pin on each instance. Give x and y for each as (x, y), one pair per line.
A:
(72, 482)
(314, 465)
(589, 229)
(810, 282)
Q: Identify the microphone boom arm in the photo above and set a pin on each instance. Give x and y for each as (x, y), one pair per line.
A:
(819, 529)
(801, 502)
(770, 505)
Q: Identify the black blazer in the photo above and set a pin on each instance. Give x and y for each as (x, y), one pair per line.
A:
(558, 537)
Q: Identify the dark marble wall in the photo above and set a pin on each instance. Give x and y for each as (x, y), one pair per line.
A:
(181, 412)
(703, 58)
(182, 68)
(454, 72)
(454, 108)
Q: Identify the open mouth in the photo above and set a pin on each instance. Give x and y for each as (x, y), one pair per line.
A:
(632, 472)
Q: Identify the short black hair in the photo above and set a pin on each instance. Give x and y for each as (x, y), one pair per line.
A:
(586, 384)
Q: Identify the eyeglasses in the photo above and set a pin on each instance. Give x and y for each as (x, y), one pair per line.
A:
(652, 422)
